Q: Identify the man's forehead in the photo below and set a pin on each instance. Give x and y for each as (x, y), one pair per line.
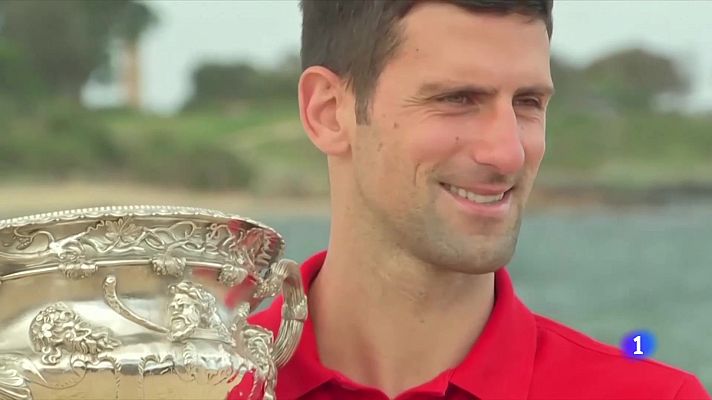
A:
(428, 23)
(473, 48)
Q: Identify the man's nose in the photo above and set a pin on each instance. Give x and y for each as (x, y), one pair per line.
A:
(498, 143)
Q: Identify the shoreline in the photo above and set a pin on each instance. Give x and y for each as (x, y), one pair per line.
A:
(27, 198)
(17, 199)
(610, 197)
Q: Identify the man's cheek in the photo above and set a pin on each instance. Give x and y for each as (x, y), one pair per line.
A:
(534, 148)
(432, 152)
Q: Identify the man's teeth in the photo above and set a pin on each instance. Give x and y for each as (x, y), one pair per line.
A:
(477, 198)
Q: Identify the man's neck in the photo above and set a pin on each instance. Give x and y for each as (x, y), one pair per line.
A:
(385, 320)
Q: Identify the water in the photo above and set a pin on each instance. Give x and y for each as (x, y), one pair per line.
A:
(604, 273)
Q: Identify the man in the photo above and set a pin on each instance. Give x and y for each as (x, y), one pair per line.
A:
(432, 117)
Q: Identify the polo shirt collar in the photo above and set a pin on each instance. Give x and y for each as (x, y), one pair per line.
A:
(499, 365)
(501, 362)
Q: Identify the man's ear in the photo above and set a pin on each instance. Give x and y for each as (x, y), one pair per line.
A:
(322, 100)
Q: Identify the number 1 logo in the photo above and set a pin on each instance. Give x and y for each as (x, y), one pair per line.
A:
(638, 344)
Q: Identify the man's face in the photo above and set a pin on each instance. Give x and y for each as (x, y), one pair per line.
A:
(456, 135)
(185, 316)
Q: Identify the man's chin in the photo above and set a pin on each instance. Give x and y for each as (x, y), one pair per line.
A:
(476, 253)
(477, 267)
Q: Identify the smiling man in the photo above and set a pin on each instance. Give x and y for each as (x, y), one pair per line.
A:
(432, 116)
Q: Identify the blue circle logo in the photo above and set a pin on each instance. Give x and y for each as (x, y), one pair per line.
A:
(638, 344)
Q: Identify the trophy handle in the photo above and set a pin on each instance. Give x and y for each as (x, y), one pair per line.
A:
(294, 311)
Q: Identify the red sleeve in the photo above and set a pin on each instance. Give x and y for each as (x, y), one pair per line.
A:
(692, 389)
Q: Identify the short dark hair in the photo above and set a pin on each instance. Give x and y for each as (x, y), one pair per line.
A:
(356, 38)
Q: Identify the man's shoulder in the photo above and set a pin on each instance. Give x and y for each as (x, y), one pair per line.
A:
(600, 370)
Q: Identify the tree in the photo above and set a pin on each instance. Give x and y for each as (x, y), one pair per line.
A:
(635, 78)
(220, 84)
(19, 84)
(66, 40)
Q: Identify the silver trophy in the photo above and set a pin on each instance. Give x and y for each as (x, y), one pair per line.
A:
(142, 302)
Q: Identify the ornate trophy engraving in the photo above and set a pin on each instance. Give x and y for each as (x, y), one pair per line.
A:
(142, 302)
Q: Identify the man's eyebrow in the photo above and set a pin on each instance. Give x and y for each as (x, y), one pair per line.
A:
(539, 90)
(433, 88)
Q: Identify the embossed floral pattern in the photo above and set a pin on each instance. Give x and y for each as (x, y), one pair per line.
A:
(123, 230)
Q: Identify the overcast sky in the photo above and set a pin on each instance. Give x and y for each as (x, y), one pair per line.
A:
(261, 31)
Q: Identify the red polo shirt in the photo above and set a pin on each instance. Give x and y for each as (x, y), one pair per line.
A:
(519, 355)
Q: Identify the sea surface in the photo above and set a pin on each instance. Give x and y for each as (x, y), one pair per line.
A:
(603, 272)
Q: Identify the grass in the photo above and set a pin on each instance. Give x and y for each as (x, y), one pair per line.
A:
(201, 125)
(274, 156)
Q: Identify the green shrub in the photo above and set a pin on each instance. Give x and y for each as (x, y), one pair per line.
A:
(57, 141)
(162, 159)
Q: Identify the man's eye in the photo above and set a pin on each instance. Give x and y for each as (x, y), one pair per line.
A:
(529, 102)
(457, 99)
